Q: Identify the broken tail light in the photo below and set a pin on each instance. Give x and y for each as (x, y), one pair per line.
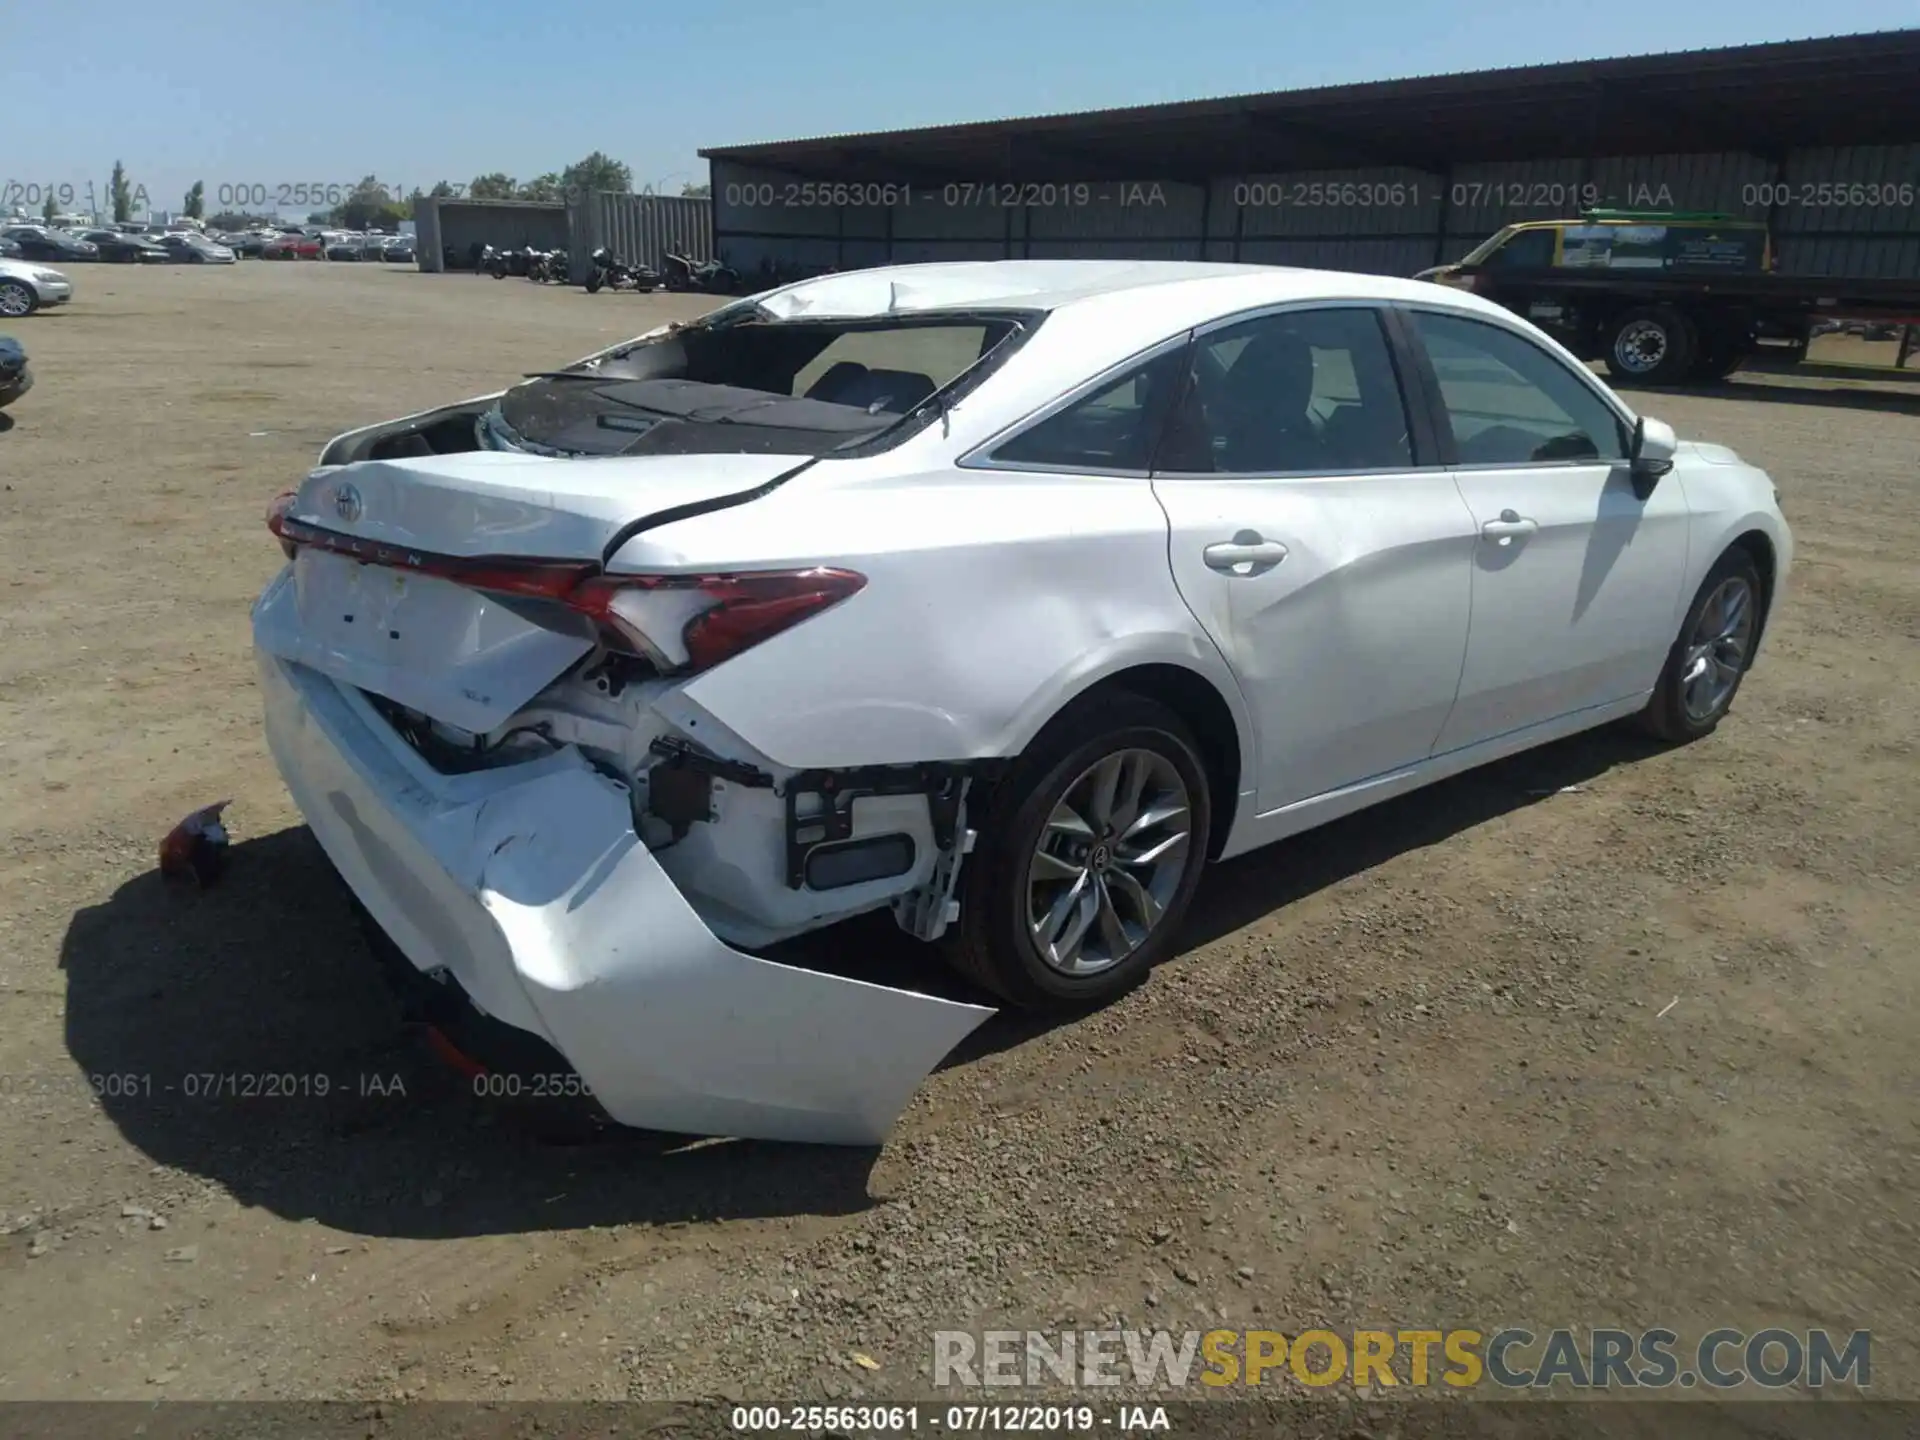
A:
(680, 623)
(693, 622)
(276, 517)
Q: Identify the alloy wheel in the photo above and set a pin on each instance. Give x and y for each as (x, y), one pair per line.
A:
(1108, 862)
(1718, 649)
(15, 300)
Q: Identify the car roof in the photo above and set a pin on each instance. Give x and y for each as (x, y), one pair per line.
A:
(1198, 290)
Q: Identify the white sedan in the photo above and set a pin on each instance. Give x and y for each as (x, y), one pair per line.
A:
(27, 286)
(1001, 596)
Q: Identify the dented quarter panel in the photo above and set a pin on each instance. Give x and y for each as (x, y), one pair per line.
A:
(530, 886)
(1062, 580)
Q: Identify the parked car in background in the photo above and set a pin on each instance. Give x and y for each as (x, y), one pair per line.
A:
(398, 250)
(15, 378)
(118, 247)
(999, 597)
(292, 247)
(26, 287)
(38, 242)
(189, 247)
(247, 244)
(9, 249)
(345, 247)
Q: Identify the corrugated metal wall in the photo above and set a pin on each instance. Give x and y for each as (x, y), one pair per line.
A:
(503, 224)
(426, 234)
(1838, 212)
(641, 228)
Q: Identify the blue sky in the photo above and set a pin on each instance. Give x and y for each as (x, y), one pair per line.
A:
(267, 93)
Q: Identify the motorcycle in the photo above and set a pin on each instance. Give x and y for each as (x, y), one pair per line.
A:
(711, 277)
(607, 271)
(513, 262)
(548, 267)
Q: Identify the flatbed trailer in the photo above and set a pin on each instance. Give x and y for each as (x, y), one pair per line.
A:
(1667, 312)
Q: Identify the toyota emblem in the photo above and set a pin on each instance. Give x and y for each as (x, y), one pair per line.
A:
(347, 504)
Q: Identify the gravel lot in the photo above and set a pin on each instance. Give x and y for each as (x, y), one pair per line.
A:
(1604, 1035)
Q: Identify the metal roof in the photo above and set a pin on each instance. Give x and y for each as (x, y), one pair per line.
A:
(1764, 99)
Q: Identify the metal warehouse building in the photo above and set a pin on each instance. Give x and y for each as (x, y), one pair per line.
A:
(640, 228)
(1820, 136)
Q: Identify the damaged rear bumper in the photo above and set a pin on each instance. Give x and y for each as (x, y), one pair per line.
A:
(529, 886)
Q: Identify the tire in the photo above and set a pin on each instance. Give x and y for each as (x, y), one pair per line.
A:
(1653, 344)
(994, 943)
(594, 281)
(17, 299)
(1676, 711)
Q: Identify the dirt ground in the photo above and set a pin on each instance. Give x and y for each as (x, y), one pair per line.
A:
(1603, 1035)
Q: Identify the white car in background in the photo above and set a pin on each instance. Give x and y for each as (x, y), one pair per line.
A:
(27, 286)
(1001, 596)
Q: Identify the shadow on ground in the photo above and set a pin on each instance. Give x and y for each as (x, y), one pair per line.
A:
(265, 1053)
(1752, 385)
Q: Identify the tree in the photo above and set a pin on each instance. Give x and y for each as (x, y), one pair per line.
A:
(195, 204)
(49, 210)
(319, 217)
(443, 191)
(542, 187)
(698, 191)
(597, 172)
(368, 206)
(121, 193)
(235, 221)
(494, 186)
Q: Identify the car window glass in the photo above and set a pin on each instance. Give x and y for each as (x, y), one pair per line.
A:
(918, 359)
(1303, 391)
(1512, 403)
(1528, 250)
(1112, 429)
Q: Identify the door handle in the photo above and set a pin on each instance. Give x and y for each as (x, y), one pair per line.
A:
(1508, 527)
(1246, 554)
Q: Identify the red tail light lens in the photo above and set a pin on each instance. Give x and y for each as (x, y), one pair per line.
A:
(276, 520)
(694, 622)
(680, 623)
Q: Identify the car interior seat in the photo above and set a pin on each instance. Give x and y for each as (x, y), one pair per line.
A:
(1259, 408)
(893, 392)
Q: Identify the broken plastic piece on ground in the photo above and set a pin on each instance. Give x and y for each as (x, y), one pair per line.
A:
(196, 848)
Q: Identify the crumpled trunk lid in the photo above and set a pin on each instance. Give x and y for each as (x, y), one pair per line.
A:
(460, 655)
(490, 503)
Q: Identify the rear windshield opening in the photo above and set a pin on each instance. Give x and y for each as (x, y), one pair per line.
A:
(748, 384)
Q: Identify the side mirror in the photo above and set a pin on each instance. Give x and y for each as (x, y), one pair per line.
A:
(1650, 455)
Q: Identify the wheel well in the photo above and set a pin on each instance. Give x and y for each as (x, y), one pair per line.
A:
(1760, 550)
(1195, 701)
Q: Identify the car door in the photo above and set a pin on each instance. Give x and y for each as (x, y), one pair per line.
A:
(1576, 579)
(1316, 537)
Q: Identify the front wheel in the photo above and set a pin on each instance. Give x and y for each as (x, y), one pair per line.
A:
(1712, 654)
(1090, 850)
(17, 298)
(594, 281)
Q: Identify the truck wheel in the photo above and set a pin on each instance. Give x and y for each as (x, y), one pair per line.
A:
(1654, 344)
